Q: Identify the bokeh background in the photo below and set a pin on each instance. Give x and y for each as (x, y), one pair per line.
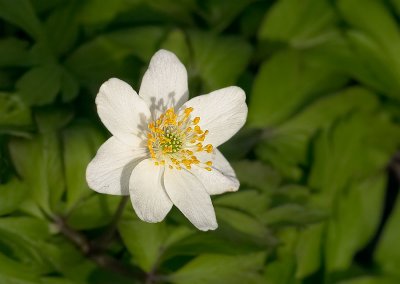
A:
(317, 160)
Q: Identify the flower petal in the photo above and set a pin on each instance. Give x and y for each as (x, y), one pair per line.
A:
(191, 198)
(221, 163)
(222, 113)
(164, 84)
(221, 178)
(110, 169)
(123, 112)
(148, 196)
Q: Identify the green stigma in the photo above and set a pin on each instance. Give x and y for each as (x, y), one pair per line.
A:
(174, 143)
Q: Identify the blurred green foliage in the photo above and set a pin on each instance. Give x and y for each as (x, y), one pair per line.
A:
(322, 79)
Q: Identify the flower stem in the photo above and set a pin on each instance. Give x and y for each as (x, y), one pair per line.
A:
(103, 241)
(95, 250)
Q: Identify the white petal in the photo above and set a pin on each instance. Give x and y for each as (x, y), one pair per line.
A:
(111, 168)
(123, 112)
(221, 178)
(191, 198)
(221, 163)
(164, 84)
(222, 113)
(149, 199)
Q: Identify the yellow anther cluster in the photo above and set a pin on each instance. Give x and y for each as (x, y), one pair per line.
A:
(173, 140)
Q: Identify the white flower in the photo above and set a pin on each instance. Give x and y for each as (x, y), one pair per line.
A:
(164, 148)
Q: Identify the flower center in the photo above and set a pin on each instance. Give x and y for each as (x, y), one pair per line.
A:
(175, 139)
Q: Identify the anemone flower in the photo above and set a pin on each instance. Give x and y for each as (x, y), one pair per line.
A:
(163, 151)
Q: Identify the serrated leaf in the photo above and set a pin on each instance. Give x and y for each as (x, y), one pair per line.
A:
(62, 27)
(99, 12)
(386, 255)
(69, 86)
(38, 161)
(219, 13)
(144, 241)
(292, 215)
(11, 195)
(351, 150)
(280, 271)
(80, 143)
(219, 60)
(376, 45)
(22, 14)
(286, 147)
(285, 83)
(256, 174)
(13, 112)
(13, 272)
(308, 251)
(40, 85)
(13, 52)
(93, 212)
(370, 280)
(298, 23)
(243, 223)
(354, 222)
(249, 201)
(209, 268)
(22, 237)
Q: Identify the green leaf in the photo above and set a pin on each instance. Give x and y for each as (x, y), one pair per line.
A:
(93, 212)
(352, 150)
(213, 268)
(292, 214)
(376, 40)
(219, 13)
(68, 260)
(69, 86)
(13, 112)
(256, 174)
(375, 20)
(192, 243)
(99, 12)
(308, 251)
(300, 24)
(55, 280)
(285, 83)
(21, 238)
(22, 14)
(280, 271)
(286, 147)
(243, 223)
(26, 227)
(144, 241)
(11, 195)
(219, 61)
(13, 52)
(13, 272)
(62, 27)
(354, 221)
(370, 280)
(40, 85)
(103, 57)
(38, 161)
(387, 255)
(176, 42)
(80, 143)
(141, 41)
(249, 201)
(52, 119)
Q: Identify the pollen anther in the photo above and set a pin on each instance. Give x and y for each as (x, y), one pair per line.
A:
(173, 138)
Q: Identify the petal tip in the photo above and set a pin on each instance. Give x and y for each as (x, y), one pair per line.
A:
(209, 227)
